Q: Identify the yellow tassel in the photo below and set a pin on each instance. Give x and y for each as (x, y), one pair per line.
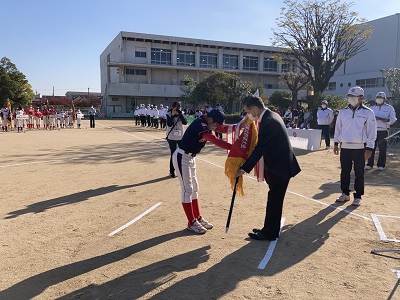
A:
(232, 164)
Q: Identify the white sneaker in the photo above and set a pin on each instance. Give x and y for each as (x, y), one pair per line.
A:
(343, 197)
(368, 168)
(196, 227)
(327, 147)
(205, 223)
(380, 168)
(356, 202)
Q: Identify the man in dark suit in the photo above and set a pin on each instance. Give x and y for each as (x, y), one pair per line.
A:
(280, 163)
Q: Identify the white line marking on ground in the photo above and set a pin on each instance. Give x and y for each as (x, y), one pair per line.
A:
(135, 136)
(271, 249)
(135, 219)
(305, 197)
(367, 183)
(397, 272)
(330, 205)
(378, 226)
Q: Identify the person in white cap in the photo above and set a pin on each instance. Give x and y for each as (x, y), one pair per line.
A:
(355, 131)
(324, 118)
(385, 116)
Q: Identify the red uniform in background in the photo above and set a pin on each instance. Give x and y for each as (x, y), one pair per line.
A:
(38, 117)
(31, 114)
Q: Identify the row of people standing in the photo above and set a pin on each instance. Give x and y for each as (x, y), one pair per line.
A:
(32, 118)
(151, 116)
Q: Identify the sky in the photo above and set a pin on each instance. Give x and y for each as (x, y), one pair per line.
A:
(57, 44)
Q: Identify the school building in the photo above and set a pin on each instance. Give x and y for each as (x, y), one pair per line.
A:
(382, 51)
(139, 68)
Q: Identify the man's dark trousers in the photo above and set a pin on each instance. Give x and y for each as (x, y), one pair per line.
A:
(325, 134)
(347, 157)
(381, 135)
(276, 195)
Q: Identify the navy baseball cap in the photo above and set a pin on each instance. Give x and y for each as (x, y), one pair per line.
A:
(217, 115)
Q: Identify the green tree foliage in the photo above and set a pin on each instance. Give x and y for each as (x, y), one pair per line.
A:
(282, 99)
(13, 85)
(319, 36)
(334, 102)
(392, 80)
(295, 82)
(223, 87)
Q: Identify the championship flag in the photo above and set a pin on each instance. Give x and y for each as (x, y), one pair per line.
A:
(73, 111)
(9, 113)
(242, 146)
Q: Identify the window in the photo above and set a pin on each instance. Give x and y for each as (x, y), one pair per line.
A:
(185, 58)
(285, 67)
(270, 65)
(208, 60)
(331, 86)
(160, 56)
(140, 54)
(371, 82)
(268, 86)
(135, 72)
(184, 82)
(231, 61)
(250, 63)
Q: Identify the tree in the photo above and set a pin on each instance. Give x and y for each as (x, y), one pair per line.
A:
(295, 82)
(281, 99)
(223, 87)
(188, 88)
(319, 36)
(13, 84)
(392, 80)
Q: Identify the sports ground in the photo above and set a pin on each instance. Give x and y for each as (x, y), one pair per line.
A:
(91, 214)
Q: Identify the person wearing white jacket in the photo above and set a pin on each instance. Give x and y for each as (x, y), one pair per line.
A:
(385, 116)
(355, 131)
(324, 118)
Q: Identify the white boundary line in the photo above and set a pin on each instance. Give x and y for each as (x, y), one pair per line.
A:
(271, 249)
(397, 272)
(378, 226)
(135, 219)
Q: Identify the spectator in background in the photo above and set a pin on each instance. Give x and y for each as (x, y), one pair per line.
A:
(175, 121)
(307, 118)
(324, 119)
(287, 117)
(92, 114)
(385, 116)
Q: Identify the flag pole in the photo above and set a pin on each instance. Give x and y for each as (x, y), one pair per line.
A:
(231, 208)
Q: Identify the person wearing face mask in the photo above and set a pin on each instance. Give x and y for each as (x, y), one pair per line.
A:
(355, 131)
(385, 116)
(280, 163)
(324, 118)
(193, 140)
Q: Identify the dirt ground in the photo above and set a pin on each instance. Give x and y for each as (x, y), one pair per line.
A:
(65, 191)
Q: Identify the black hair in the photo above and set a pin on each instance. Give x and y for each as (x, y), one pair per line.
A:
(217, 116)
(252, 100)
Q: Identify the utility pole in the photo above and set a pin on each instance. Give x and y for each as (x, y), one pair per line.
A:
(53, 91)
(88, 90)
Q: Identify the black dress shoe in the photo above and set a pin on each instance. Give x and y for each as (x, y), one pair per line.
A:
(261, 236)
(255, 230)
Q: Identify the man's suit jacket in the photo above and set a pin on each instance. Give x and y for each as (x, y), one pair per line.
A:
(274, 145)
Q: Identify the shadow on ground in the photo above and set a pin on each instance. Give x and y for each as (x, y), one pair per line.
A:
(295, 244)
